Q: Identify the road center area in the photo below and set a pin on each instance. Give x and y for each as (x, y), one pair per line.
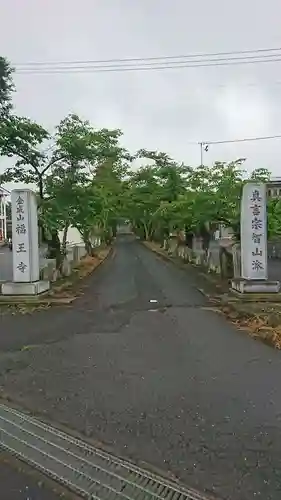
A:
(138, 363)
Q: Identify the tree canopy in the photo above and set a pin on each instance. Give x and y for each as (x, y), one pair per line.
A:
(6, 86)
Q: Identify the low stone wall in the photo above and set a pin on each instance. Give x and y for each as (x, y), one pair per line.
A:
(274, 249)
(223, 256)
(74, 253)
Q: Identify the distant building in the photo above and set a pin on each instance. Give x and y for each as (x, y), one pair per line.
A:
(3, 214)
(274, 188)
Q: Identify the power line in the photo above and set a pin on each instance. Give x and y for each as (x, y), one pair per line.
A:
(211, 85)
(159, 58)
(204, 145)
(248, 139)
(121, 69)
(84, 65)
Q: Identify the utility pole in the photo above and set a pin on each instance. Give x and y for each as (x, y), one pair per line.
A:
(201, 153)
(204, 146)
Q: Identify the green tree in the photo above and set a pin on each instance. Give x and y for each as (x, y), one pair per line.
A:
(85, 214)
(84, 188)
(206, 197)
(6, 87)
(110, 190)
(274, 218)
(21, 138)
(76, 152)
(172, 177)
(143, 199)
(163, 181)
(75, 142)
(60, 203)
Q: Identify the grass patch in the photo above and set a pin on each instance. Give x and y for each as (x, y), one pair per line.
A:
(62, 292)
(69, 286)
(261, 320)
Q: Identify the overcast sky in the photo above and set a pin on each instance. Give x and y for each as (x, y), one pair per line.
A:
(163, 110)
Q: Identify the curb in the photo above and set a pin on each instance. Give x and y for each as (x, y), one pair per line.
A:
(184, 267)
(30, 301)
(27, 300)
(101, 262)
(162, 254)
(221, 301)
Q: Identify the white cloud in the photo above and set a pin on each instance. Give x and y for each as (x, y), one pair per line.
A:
(244, 111)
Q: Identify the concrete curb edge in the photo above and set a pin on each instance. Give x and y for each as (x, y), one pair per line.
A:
(6, 300)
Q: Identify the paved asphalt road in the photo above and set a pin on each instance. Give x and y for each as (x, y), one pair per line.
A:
(20, 483)
(170, 383)
(6, 266)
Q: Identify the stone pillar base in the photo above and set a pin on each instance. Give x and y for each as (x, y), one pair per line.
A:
(243, 286)
(35, 288)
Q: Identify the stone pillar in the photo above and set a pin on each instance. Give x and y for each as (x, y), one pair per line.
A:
(5, 219)
(254, 275)
(236, 256)
(25, 246)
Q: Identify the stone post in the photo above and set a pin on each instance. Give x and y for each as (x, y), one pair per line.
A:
(254, 275)
(25, 246)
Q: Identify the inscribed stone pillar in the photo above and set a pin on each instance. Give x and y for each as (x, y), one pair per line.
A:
(25, 246)
(25, 236)
(254, 275)
(254, 232)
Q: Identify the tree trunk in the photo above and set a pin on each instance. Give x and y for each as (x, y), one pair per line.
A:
(206, 237)
(226, 263)
(40, 186)
(88, 245)
(108, 237)
(114, 228)
(89, 248)
(146, 230)
(188, 237)
(104, 230)
(43, 235)
(61, 251)
(64, 239)
(54, 248)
